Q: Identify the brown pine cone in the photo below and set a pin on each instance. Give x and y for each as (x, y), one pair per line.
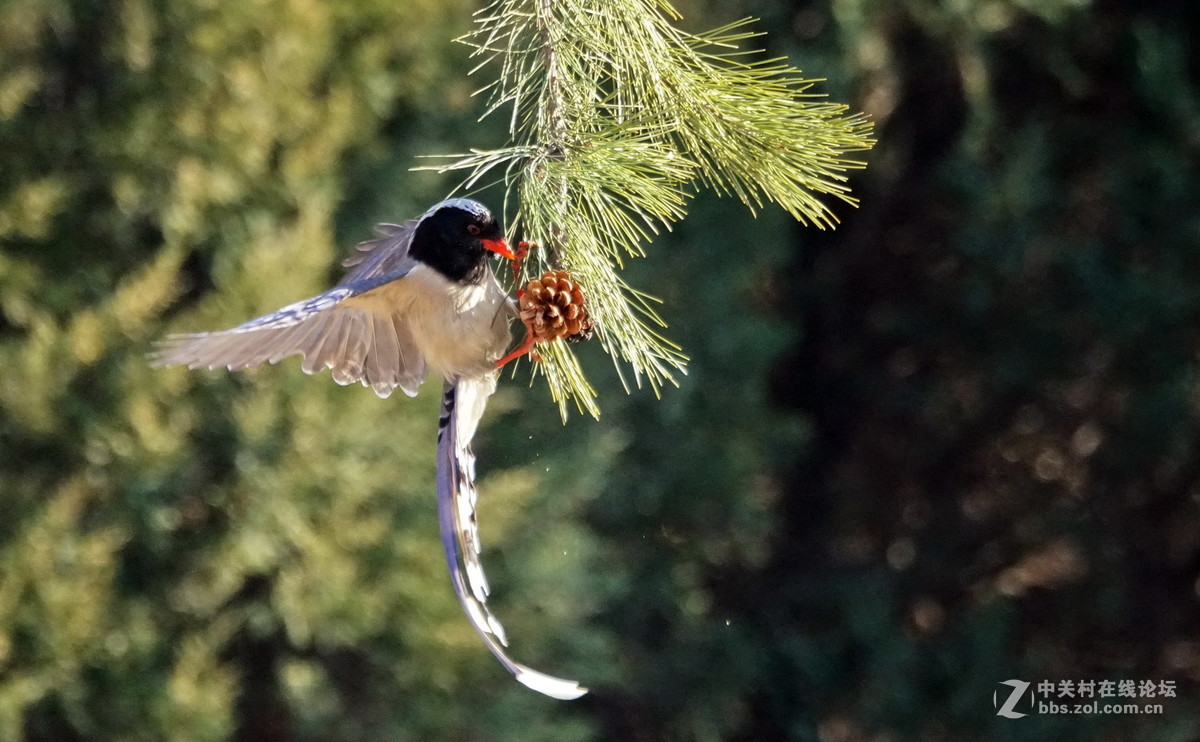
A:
(553, 305)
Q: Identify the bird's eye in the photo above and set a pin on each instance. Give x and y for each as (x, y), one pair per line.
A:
(473, 229)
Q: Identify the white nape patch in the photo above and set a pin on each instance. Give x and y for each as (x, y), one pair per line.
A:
(466, 204)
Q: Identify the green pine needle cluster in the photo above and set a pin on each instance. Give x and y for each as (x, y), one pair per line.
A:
(615, 115)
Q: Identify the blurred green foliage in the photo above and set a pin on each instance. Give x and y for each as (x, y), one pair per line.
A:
(953, 442)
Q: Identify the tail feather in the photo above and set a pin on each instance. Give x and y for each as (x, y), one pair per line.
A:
(463, 403)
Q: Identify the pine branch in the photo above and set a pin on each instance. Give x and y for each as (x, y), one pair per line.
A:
(614, 113)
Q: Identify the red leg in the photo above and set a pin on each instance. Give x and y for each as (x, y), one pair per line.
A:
(525, 346)
(523, 248)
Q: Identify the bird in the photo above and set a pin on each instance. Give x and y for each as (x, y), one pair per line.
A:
(418, 300)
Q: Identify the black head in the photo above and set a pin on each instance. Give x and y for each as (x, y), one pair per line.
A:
(454, 238)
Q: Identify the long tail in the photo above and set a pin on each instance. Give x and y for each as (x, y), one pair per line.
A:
(463, 403)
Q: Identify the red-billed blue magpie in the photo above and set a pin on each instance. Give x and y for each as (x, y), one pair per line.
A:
(419, 299)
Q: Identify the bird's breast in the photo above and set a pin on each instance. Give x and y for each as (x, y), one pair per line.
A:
(461, 329)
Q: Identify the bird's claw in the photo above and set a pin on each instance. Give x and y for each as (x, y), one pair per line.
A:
(525, 346)
(522, 252)
(518, 263)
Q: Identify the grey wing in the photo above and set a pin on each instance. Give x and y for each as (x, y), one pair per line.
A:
(357, 329)
(385, 254)
(462, 406)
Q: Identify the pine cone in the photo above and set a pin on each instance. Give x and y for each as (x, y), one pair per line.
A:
(553, 305)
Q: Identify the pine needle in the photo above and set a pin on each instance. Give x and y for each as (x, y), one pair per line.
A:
(614, 116)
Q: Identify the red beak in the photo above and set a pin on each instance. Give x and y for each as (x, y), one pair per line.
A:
(499, 246)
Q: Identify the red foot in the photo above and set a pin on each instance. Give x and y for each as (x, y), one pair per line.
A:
(525, 346)
(518, 262)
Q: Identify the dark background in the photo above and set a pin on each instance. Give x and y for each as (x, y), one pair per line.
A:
(951, 443)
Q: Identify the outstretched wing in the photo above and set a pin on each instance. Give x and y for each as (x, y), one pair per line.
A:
(462, 406)
(357, 329)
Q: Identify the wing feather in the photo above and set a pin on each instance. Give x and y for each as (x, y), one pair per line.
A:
(272, 341)
(348, 368)
(329, 341)
(364, 340)
(388, 353)
(318, 339)
(372, 369)
(412, 363)
(384, 254)
(389, 348)
(287, 344)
